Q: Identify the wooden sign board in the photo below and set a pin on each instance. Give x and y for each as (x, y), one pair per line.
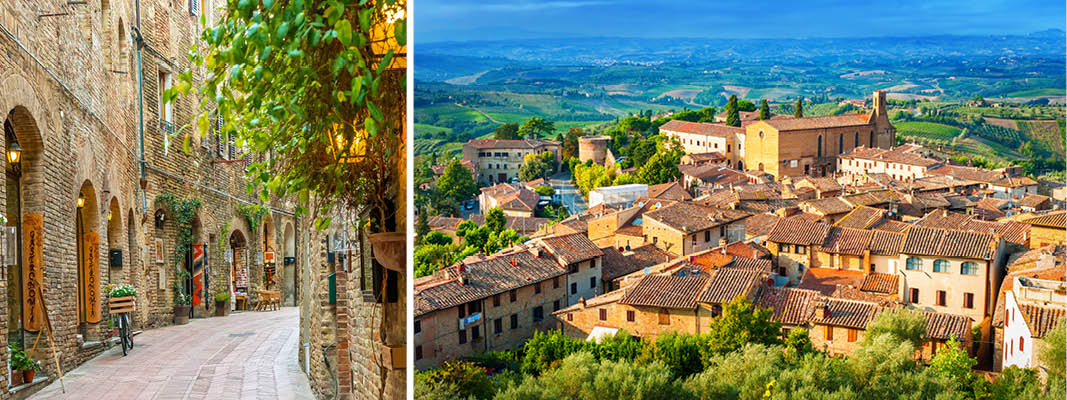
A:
(32, 271)
(268, 257)
(91, 277)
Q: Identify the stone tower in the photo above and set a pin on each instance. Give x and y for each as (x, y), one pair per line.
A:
(884, 132)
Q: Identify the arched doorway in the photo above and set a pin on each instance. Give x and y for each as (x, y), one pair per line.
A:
(86, 221)
(114, 243)
(740, 166)
(271, 280)
(24, 191)
(196, 263)
(239, 279)
(289, 269)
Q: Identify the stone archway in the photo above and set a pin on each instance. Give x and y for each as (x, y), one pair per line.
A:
(239, 276)
(87, 237)
(289, 269)
(24, 181)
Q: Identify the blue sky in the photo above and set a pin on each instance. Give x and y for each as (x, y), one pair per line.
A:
(438, 20)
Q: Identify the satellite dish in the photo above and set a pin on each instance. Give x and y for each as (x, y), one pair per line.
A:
(658, 204)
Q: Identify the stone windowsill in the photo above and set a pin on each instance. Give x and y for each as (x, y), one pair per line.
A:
(36, 380)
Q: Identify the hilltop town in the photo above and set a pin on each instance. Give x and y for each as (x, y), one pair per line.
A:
(826, 221)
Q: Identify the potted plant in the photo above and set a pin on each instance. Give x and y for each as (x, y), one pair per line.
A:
(181, 300)
(23, 363)
(16, 356)
(222, 299)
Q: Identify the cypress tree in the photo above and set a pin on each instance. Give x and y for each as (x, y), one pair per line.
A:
(764, 110)
(800, 108)
(732, 117)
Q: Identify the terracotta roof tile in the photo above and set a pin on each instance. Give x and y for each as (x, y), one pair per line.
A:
(572, 248)
(846, 241)
(826, 280)
(861, 217)
(845, 313)
(830, 206)
(1033, 200)
(791, 306)
(880, 283)
(713, 174)
(690, 218)
(1041, 320)
(496, 274)
(796, 230)
(700, 128)
(669, 191)
(752, 264)
(616, 264)
(885, 243)
(891, 226)
(945, 326)
(760, 224)
(665, 291)
(522, 225)
(966, 173)
(728, 283)
(949, 243)
(830, 121)
(1051, 220)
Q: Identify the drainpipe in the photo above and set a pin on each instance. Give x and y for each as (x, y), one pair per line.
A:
(140, 104)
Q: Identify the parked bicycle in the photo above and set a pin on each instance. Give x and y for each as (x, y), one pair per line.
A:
(120, 304)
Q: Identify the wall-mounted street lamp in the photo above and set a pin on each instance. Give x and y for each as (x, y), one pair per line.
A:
(348, 150)
(109, 215)
(81, 201)
(14, 157)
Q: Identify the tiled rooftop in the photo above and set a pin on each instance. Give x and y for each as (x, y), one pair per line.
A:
(665, 291)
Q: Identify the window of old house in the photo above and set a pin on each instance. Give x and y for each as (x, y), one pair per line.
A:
(498, 325)
(630, 316)
(537, 288)
(514, 321)
(829, 332)
(462, 336)
(418, 327)
(418, 352)
(968, 300)
(914, 264)
(555, 305)
(914, 295)
(496, 300)
(941, 298)
(969, 268)
(664, 316)
(511, 295)
(940, 265)
(476, 333)
(851, 335)
(603, 314)
(538, 314)
(574, 288)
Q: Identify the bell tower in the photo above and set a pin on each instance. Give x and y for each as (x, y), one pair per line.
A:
(884, 132)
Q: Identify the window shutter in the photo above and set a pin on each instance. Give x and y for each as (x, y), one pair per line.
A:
(194, 7)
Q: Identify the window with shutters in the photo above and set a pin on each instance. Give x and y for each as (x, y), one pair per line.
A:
(664, 316)
(914, 295)
(941, 298)
(968, 300)
(829, 332)
(498, 326)
(852, 335)
(195, 6)
(603, 314)
(630, 316)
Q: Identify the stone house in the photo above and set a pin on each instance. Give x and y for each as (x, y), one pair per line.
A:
(583, 261)
(1032, 309)
(498, 161)
(703, 137)
(903, 163)
(686, 228)
(512, 198)
(488, 304)
(791, 243)
(1047, 229)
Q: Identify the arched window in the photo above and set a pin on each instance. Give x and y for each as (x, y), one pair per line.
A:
(871, 142)
(914, 264)
(856, 140)
(940, 265)
(969, 268)
(819, 151)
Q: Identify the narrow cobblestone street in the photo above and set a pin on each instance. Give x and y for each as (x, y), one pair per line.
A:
(250, 355)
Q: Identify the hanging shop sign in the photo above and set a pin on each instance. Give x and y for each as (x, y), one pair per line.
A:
(91, 277)
(268, 257)
(32, 270)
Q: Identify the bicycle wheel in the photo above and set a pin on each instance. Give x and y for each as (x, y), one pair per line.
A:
(122, 334)
(129, 329)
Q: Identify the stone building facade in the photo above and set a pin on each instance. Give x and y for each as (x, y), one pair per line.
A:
(70, 100)
(498, 161)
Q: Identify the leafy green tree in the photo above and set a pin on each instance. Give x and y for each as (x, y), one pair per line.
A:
(507, 131)
(799, 109)
(495, 220)
(455, 185)
(464, 227)
(537, 166)
(742, 323)
(900, 323)
(477, 238)
(581, 376)
(745, 105)
(733, 118)
(431, 257)
(634, 124)
(1012, 383)
(291, 78)
(661, 168)
(423, 226)
(764, 110)
(799, 341)
(536, 128)
(641, 151)
(1053, 355)
(681, 353)
(952, 362)
(545, 350)
(462, 379)
(435, 237)
(545, 190)
(570, 144)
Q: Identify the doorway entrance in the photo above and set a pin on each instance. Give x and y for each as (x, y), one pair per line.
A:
(239, 282)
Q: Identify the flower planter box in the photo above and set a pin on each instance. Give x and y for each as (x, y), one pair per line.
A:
(181, 314)
(117, 305)
(221, 308)
(389, 249)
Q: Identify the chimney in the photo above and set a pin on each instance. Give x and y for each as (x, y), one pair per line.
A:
(536, 251)
(514, 263)
(582, 300)
(722, 243)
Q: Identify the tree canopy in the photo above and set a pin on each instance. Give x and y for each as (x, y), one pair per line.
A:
(310, 82)
(733, 118)
(454, 186)
(507, 131)
(536, 166)
(764, 110)
(536, 128)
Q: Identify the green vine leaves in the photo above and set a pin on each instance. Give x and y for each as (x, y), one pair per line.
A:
(290, 77)
(182, 212)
